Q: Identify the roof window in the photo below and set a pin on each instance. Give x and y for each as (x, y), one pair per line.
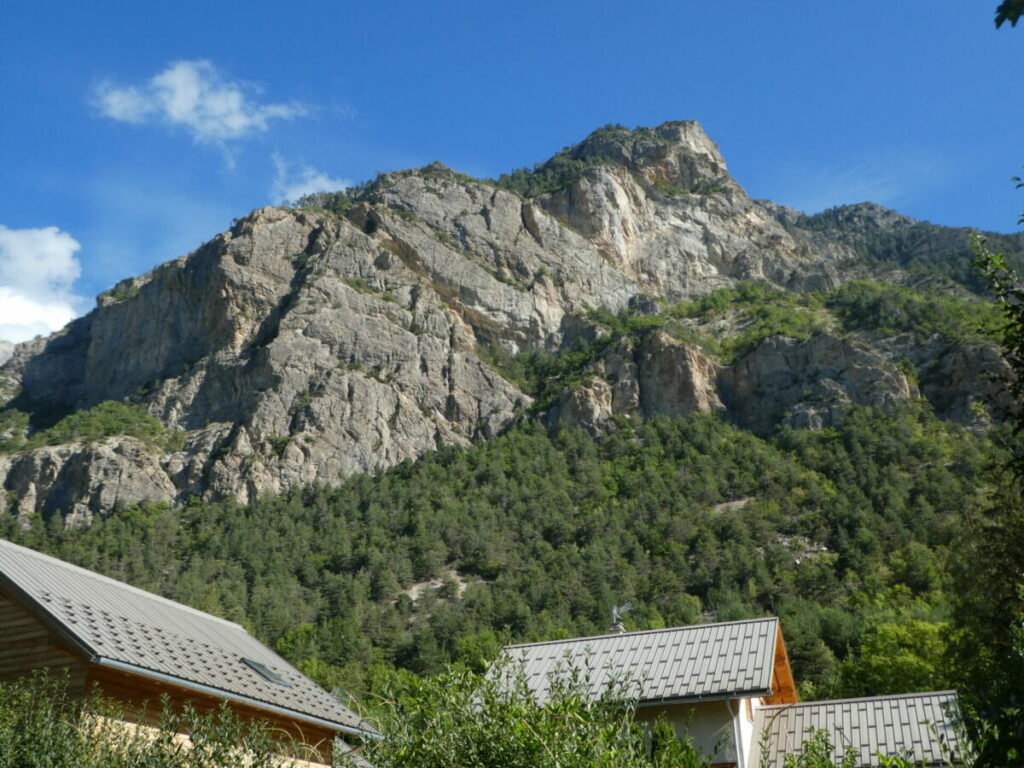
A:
(263, 670)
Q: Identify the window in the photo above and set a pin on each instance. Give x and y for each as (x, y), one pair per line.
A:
(264, 671)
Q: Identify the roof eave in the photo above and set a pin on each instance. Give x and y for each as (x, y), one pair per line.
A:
(665, 701)
(238, 698)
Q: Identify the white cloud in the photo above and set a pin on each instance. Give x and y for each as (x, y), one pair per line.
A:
(290, 185)
(195, 96)
(37, 270)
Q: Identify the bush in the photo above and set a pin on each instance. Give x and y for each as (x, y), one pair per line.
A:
(41, 726)
(474, 721)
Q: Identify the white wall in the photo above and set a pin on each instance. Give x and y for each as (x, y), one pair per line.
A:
(745, 709)
(708, 723)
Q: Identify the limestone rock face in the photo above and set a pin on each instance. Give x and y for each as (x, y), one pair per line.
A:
(657, 376)
(964, 383)
(669, 216)
(292, 349)
(806, 383)
(676, 379)
(78, 481)
(305, 345)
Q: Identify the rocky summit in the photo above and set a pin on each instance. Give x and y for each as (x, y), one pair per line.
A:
(362, 328)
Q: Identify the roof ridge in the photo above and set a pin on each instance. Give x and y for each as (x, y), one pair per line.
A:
(640, 632)
(885, 697)
(4, 543)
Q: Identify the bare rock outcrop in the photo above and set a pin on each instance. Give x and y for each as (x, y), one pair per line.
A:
(807, 383)
(668, 215)
(292, 349)
(965, 383)
(305, 345)
(655, 376)
(78, 481)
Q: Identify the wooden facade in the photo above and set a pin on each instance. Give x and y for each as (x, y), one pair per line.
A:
(27, 645)
(783, 685)
(142, 701)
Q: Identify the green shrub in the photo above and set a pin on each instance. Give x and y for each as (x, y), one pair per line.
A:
(13, 427)
(759, 311)
(278, 443)
(818, 752)
(460, 718)
(41, 726)
(124, 290)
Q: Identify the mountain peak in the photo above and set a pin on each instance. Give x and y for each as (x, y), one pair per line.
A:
(678, 152)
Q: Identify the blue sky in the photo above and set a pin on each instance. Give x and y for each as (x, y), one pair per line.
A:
(132, 132)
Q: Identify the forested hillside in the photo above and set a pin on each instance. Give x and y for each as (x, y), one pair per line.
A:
(844, 532)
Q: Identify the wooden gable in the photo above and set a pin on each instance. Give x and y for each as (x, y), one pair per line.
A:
(27, 645)
(783, 685)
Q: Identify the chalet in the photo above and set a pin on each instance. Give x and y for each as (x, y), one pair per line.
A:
(134, 647)
(730, 688)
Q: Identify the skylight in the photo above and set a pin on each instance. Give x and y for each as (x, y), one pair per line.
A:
(264, 671)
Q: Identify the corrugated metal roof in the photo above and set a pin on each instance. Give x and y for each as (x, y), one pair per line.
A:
(126, 625)
(915, 724)
(683, 663)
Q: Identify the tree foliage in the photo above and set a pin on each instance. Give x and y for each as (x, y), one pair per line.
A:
(106, 419)
(890, 309)
(1008, 289)
(692, 518)
(459, 718)
(931, 256)
(1009, 10)
(989, 565)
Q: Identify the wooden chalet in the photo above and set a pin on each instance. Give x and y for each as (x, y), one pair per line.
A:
(729, 688)
(134, 647)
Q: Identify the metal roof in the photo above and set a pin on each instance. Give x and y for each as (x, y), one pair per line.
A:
(915, 724)
(703, 661)
(118, 625)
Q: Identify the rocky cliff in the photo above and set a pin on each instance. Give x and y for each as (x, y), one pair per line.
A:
(350, 333)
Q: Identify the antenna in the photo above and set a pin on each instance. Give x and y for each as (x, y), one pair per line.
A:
(618, 612)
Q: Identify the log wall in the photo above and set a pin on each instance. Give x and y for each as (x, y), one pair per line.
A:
(143, 704)
(26, 645)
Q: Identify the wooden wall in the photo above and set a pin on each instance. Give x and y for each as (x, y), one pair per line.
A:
(783, 686)
(140, 697)
(26, 644)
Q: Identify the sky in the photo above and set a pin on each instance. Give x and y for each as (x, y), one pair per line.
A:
(132, 132)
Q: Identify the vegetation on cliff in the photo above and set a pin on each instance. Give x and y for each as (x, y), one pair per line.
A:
(107, 419)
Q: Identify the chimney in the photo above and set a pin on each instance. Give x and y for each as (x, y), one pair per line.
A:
(617, 613)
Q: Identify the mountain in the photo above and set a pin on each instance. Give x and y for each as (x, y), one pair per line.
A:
(628, 276)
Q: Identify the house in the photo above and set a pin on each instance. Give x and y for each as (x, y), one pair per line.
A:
(135, 647)
(923, 725)
(729, 687)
